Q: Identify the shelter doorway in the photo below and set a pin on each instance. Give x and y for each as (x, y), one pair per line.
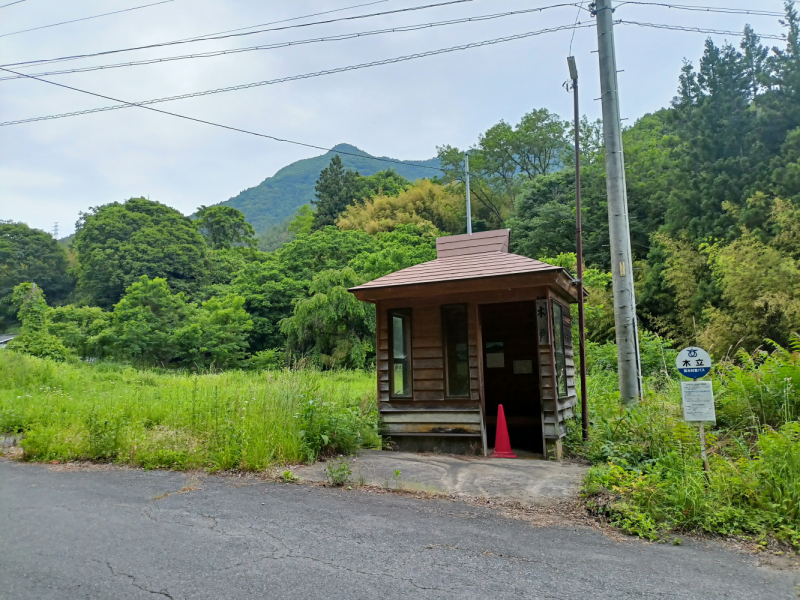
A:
(511, 373)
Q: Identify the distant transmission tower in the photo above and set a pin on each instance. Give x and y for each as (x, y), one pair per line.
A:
(55, 230)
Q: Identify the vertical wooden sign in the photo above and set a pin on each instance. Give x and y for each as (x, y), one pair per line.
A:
(543, 322)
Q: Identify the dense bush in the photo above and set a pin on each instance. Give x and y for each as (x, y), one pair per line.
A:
(648, 477)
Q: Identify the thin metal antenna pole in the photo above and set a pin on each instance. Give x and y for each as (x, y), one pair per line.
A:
(469, 206)
(627, 336)
(573, 71)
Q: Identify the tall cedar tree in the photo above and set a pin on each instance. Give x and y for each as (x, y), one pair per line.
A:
(336, 188)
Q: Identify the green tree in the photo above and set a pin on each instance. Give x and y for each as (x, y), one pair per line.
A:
(85, 330)
(405, 246)
(332, 328)
(34, 336)
(422, 202)
(506, 157)
(269, 295)
(117, 244)
(382, 183)
(30, 255)
(146, 320)
(216, 336)
(336, 188)
(760, 296)
(325, 249)
(224, 227)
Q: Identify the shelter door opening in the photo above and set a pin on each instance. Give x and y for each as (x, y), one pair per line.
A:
(511, 372)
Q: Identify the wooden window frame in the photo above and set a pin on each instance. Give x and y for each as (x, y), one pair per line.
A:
(445, 354)
(559, 369)
(405, 313)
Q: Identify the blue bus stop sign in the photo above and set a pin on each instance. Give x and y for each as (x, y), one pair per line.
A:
(693, 362)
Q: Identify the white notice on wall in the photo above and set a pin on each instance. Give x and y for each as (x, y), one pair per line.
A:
(698, 401)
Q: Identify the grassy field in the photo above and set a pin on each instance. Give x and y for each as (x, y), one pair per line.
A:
(232, 420)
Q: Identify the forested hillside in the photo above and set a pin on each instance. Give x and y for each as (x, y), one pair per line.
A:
(278, 197)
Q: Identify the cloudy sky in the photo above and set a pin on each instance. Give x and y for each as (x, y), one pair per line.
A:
(51, 170)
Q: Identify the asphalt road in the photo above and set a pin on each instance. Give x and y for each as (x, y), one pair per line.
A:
(101, 534)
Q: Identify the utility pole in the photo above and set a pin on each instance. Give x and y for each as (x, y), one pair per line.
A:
(469, 206)
(573, 74)
(630, 386)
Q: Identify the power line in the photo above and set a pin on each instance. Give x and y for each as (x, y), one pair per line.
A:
(12, 3)
(325, 12)
(699, 30)
(221, 37)
(572, 39)
(376, 63)
(116, 12)
(710, 9)
(220, 125)
(340, 37)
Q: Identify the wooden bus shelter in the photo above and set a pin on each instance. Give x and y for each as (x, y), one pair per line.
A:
(472, 329)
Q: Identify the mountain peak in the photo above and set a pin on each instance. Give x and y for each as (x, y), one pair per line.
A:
(278, 197)
(349, 149)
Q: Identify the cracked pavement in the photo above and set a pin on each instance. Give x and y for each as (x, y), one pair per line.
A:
(100, 533)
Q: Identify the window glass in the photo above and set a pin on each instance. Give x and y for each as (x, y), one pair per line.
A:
(558, 343)
(454, 325)
(399, 368)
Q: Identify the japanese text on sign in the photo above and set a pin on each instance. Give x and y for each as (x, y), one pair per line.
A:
(698, 401)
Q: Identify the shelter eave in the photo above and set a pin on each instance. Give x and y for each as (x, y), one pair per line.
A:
(555, 277)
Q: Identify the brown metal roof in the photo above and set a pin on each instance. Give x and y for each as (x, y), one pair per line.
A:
(459, 267)
(473, 243)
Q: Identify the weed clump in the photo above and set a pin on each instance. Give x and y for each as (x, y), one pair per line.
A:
(338, 472)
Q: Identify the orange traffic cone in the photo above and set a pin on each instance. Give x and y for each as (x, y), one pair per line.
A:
(502, 445)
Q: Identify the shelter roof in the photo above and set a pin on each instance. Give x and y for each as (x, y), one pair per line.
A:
(460, 267)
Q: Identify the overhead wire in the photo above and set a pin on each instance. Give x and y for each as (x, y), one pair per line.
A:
(698, 29)
(12, 3)
(116, 12)
(231, 35)
(317, 14)
(339, 37)
(219, 125)
(577, 16)
(233, 88)
(709, 9)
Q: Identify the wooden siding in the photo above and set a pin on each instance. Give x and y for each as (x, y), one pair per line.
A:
(547, 385)
(427, 371)
(429, 412)
(474, 243)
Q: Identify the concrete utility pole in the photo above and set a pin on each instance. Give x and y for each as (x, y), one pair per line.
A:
(573, 74)
(630, 386)
(469, 206)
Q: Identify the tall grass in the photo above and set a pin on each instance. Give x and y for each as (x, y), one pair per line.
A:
(648, 476)
(229, 420)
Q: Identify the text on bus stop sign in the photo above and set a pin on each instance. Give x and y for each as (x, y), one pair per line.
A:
(693, 362)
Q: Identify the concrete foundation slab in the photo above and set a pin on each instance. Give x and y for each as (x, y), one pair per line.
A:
(531, 481)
